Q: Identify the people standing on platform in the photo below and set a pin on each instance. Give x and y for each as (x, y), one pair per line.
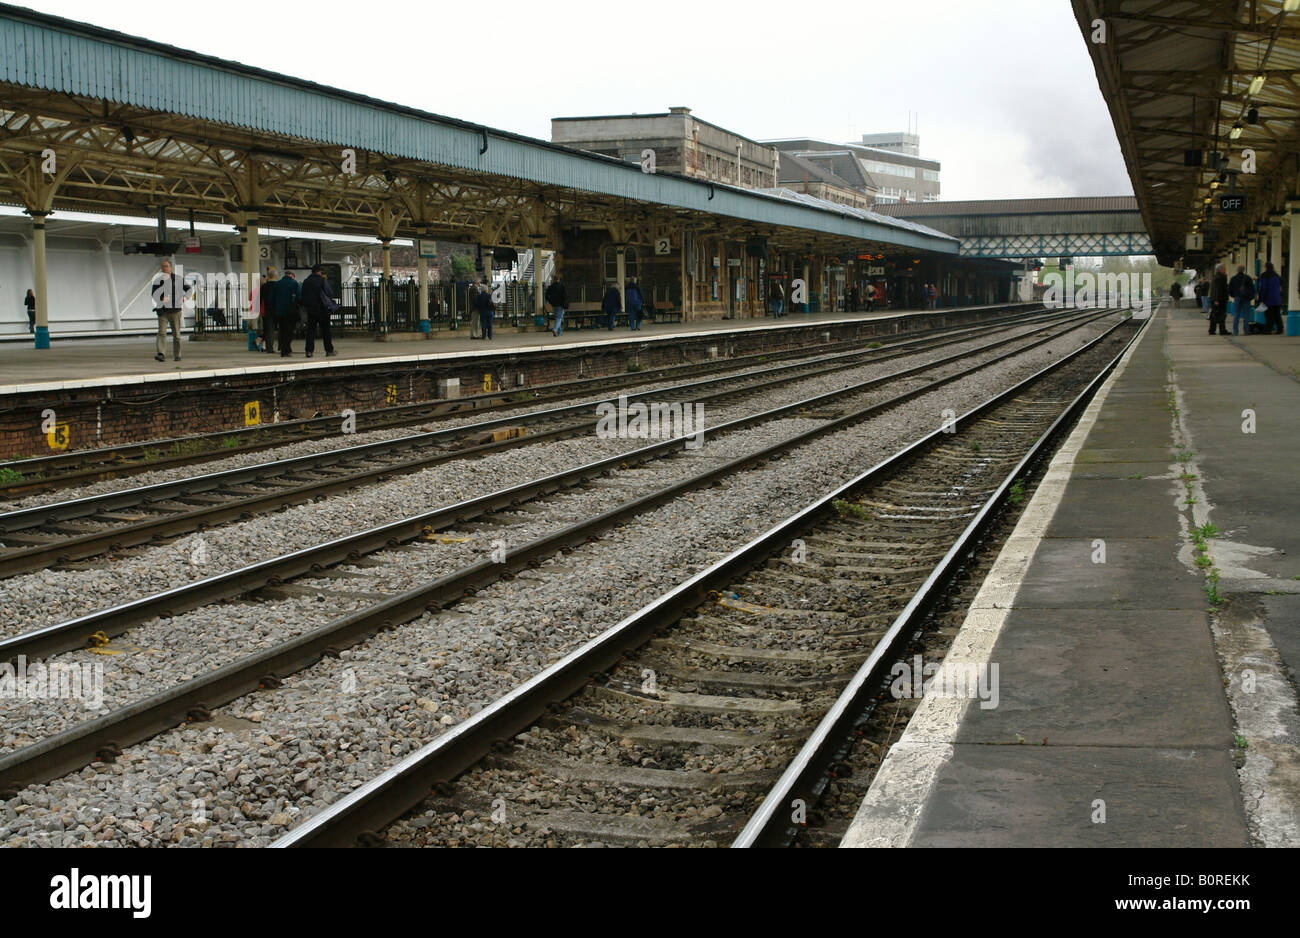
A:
(854, 296)
(168, 294)
(30, 302)
(1202, 293)
(1176, 292)
(287, 300)
(264, 299)
(611, 305)
(558, 297)
(483, 303)
(1242, 290)
(318, 300)
(635, 303)
(1219, 300)
(932, 293)
(871, 297)
(778, 299)
(1270, 294)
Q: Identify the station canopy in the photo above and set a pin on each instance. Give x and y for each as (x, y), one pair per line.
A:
(135, 125)
(1197, 89)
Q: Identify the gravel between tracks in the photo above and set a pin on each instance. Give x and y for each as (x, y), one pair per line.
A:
(311, 447)
(272, 758)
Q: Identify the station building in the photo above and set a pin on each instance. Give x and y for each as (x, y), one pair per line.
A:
(900, 175)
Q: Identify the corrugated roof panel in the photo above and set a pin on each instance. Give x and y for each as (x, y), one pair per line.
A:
(138, 72)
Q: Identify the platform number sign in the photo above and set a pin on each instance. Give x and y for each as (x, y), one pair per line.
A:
(1232, 203)
(252, 413)
(390, 394)
(663, 246)
(487, 383)
(57, 434)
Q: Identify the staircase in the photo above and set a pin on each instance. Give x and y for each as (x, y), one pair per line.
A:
(526, 266)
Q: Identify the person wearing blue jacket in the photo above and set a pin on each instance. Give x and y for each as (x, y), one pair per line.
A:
(1270, 295)
(611, 305)
(635, 302)
(483, 303)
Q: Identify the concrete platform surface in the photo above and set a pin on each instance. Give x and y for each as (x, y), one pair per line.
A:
(1124, 693)
(70, 363)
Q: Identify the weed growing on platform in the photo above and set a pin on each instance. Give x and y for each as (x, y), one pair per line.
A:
(231, 442)
(1240, 741)
(9, 476)
(975, 447)
(1017, 493)
(633, 366)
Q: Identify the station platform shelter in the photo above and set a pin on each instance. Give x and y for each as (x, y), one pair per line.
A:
(1144, 623)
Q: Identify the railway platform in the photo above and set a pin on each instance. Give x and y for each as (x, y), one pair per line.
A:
(1145, 697)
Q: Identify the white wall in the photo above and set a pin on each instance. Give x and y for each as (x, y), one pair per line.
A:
(79, 296)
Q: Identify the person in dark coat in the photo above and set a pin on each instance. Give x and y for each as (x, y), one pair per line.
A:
(635, 303)
(853, 298)
(558, 297)
(1219, 300)
(483, 303)
(285, 298)
(611, 305)
(30, 302)
(264, 300)
(1270, 295)
(1242, 290)
(318, 300)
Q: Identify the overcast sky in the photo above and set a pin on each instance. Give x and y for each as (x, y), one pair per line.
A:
(1004, 90)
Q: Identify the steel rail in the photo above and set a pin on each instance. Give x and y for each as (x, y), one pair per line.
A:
(78, 632)
(104, 736)
(79, 547)
(806, 776)
(360, 814)
(131, 458)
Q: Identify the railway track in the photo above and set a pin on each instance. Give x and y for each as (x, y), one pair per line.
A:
(103, 737)
(715, 714)
(62, 470)
(74, 530)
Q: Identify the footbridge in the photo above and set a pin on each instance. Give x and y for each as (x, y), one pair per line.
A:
(1028, 228)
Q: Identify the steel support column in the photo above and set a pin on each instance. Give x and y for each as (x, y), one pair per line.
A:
(41, 285)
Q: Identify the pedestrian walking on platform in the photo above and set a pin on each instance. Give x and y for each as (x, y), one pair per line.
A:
(30, 302)
(778, 299)
(1219, 301)
(871, 297)
(1176, 292)
(483, 303)
(168, 295)
(611, 305)
(635, 303)
(1242, 290)
(1202, 293)
(287, 302)
(854, 297)
(318, 300)
(558, 297)
(1270, 294)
